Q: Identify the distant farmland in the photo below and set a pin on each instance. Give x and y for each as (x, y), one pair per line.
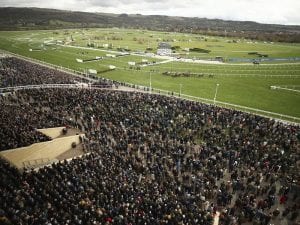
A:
(242, 84)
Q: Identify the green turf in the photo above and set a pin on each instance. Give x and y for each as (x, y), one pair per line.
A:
(246, 85)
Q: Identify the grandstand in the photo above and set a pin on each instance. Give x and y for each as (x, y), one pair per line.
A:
(146, 158)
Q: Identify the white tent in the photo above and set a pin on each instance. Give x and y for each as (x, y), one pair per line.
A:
(92, 71)
(131, 63)
(110, 55)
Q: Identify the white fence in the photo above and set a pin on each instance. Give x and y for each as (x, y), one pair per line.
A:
(287, 88)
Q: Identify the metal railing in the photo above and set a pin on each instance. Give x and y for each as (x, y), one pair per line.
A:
(35, 163)
(40, 86)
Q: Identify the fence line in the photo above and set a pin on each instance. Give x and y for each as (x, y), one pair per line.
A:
(284, 88)
(272, 115)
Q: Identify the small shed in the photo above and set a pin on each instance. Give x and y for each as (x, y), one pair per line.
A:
(164, 48)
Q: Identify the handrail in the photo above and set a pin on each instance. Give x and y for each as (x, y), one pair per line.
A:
(38, 86)
(33, 163)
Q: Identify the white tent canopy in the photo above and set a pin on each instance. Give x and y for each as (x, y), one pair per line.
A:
(131, 63)
(92, 71)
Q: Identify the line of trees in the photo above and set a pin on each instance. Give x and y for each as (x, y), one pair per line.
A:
(35, 18)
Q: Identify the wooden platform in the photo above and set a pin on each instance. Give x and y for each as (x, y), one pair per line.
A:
(43, 153)
(54, 132)
(57, 132)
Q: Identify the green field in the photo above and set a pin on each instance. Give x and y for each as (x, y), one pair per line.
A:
(242, 84)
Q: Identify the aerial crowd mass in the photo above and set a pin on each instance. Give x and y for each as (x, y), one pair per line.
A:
(150, 159)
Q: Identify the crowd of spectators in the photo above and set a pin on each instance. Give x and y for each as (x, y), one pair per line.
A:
(19, 122)
(152, 160)
(18, 72)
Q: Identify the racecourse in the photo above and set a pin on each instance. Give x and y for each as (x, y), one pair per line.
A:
(242, 84)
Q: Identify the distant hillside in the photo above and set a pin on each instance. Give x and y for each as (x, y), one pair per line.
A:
(37, 18)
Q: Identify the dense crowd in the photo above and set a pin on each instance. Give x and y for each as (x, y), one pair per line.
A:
(19, 122)
(151, 160)
(18, 72)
